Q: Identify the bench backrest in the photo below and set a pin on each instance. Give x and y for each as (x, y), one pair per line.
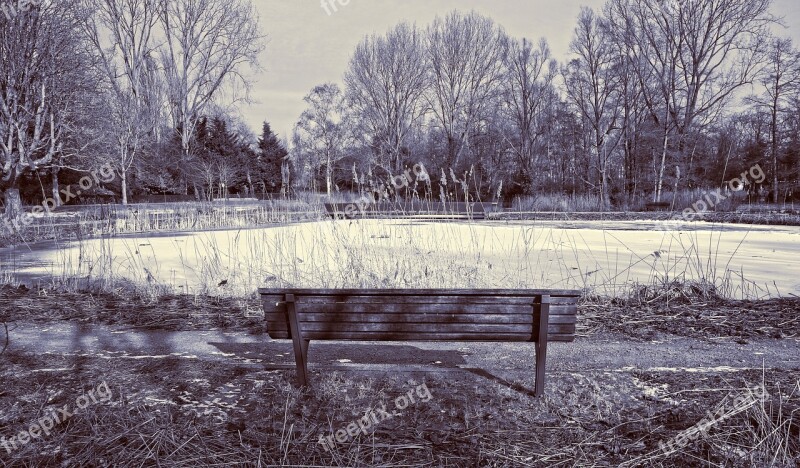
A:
(420, 314)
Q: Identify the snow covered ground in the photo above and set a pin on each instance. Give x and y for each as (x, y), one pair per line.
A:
(742, 260)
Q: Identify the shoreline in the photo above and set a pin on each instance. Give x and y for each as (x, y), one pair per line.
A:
(71, 231)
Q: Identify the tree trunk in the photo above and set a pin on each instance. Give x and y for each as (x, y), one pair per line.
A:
(775, 197)
(605, 198)
(629, 171)
(774, 149)
(185, 146)
(13, 203)
(56, 194)
(124, 183)
(284, 178)
(451, 152)
(675, 189)
(328, 180)
(660, 181)
(328, 176)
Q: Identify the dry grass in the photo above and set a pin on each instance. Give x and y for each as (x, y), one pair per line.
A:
(558, 203)
(179, 412)
(691, 315)
(402, 254)
(82, 222)
(125, 308)
(762, 433)
(183, 412)
(677, 202)
(679, 314)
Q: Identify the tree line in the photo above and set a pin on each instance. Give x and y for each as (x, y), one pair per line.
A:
(655, 97)
(135, 85)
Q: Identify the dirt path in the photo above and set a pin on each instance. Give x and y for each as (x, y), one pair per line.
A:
(597, 353)
(609, 398)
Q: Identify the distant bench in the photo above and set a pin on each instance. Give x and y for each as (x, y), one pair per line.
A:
(658, 206)
(505, 315)
(411, 209)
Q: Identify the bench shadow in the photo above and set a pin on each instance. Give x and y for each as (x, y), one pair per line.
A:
(383, 354)
(326, 354)
(489, 376)
(280, 354)
(323, 353)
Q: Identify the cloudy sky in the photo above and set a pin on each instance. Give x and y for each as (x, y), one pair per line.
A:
(308, 46)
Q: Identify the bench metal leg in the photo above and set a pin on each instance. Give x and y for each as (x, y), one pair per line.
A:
(300, 345)
(541, 345)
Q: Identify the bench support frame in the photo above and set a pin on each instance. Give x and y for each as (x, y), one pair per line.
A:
(541, 345)
(301, 345)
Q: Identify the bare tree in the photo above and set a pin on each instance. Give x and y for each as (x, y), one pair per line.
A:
(466, 62)
(43, 67)
(321, 136)
(528, 91)
(122, 33)
(385, 83)
(653, 61)
(592, 83)
(207, 45)
(781, 81)
(633, 109)
(84, 143)
(691, 56)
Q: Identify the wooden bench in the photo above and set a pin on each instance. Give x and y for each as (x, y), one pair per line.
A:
(505, 315)
(409, 209)
(658, 206)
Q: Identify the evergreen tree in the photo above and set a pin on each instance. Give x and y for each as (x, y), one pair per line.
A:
(271, 156)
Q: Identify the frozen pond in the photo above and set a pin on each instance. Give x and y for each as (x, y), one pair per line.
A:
(741, 260)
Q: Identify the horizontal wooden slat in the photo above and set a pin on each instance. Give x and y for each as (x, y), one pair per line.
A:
(414, 328)
(414, 300)
(504, 300)
(477, 329)
(271, 299)
(267, 298)
(425, 328)
(479, 309)
(562, 338)
(415, 309)
(400, 308)
(399, 336)
(281, 316)
(419, 318)
(419, 292)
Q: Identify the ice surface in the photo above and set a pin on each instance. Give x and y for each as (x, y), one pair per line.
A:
(606, 256)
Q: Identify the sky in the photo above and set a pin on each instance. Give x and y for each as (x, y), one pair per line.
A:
(307, 46)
